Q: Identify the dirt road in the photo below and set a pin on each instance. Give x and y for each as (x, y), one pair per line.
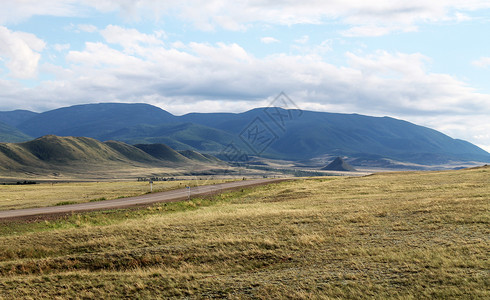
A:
(169, 196)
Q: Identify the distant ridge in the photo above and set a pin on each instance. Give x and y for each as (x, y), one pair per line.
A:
(338, 164)
(16, 117)
(299, 135)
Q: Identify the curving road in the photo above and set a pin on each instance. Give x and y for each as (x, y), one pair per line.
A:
(169, 196)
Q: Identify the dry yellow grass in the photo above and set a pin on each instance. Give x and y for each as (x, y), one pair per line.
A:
(50, 194)
(401, 235)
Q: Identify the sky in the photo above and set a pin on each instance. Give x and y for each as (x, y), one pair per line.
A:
(427, 62)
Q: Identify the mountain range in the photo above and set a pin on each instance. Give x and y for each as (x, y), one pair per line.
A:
(268, 132)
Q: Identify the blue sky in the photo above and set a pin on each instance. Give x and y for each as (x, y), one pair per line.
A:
(427, 62)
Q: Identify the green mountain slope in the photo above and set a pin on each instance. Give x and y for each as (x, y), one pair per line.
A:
(293, 134)
(9, 134)
(307, 134)
(182, 136)
(163, 152)
(92, 120)
(16, 117)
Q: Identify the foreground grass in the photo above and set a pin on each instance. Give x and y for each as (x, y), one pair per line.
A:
(402, 235)
(52, 194)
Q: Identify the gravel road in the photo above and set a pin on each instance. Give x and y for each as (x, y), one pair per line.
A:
(169, 196)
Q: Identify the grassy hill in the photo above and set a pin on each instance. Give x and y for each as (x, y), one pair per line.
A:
(198, 156)
(163, 152)
(412, 235)
(81, 156)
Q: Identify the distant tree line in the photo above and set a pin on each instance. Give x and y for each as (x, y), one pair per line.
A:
(19, 182)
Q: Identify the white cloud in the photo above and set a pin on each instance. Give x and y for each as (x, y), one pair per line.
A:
(384, 64)
(20, 50)
(475, 129)
(160, 34)
(87, 27)
(129, 39)
(222, 53)
(269, 40)
(460, 17)
(483, 62)
(377, 83)
(101, 55)
(375, 30)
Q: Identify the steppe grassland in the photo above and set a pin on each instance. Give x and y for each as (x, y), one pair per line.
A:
(50, 194)
(400, 235)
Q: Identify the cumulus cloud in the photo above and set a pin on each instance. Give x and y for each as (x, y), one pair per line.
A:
(376, 83)
(20, 50)
(101, 55)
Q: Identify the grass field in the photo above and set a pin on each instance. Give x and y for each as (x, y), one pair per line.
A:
(398, 235)
(51, 194)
